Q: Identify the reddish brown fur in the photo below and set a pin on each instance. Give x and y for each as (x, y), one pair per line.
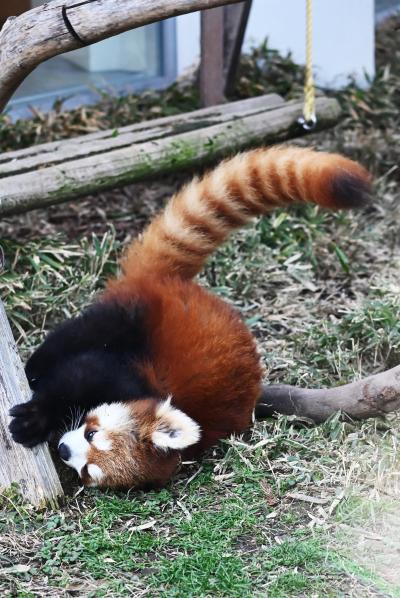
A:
(202, 353)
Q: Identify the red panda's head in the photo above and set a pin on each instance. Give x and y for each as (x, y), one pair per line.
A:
(125, 445)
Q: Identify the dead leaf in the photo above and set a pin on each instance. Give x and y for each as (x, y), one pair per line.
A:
(270, 497)
(317, 500)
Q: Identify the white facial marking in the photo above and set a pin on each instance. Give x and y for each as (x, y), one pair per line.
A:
(96, 474)
(113, 416)
(175, 429)
(78, 445)
(101, 441)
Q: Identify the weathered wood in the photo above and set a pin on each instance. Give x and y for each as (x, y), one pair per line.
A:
(235, 23)
(32, 470)
(370, 397)
(212, 80)
(63, 25)
(78, 177)
(56, 152)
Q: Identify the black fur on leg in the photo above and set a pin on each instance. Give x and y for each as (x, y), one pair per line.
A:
(86, 361)
(106, 327)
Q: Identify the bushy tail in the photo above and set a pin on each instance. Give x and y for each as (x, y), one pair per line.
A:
(201, 216)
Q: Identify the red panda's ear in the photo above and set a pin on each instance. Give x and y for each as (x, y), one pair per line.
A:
(174, 429)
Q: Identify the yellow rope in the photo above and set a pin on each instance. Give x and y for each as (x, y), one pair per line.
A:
(309, 89)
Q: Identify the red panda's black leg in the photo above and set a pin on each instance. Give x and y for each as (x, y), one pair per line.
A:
(31, 424)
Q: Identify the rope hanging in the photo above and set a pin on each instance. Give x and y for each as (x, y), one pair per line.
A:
(309, 118)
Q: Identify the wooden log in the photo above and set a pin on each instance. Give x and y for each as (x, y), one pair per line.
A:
(63, 25)
(32, 470)
(124, 165)
(235, 23)
(212, 81)
(369, 397)
(55, 152)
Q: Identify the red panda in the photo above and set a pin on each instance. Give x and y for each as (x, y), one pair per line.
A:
(161, 368)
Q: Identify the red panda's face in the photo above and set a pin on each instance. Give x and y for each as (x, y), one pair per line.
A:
(125, 445)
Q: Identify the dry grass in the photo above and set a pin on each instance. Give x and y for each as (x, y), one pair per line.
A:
(287, 509)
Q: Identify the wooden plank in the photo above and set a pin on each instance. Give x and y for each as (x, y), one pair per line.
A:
(32, 470)
(20, 161)
(235, 23)
(75, 178)
(63, 25)
(212, 81)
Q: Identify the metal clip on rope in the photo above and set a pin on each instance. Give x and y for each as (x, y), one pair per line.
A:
(308, 124)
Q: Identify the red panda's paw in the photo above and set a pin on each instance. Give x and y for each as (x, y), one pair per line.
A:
(30, 425)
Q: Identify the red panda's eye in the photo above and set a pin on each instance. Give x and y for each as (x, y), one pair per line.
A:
(89, 435)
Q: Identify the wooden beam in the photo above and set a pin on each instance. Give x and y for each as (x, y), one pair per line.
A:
(212, 81)
(235, 23)
(40, 180)
(63, 25)
(32, 470)
(57, 152)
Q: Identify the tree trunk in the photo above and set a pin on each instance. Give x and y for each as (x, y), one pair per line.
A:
(370, 397)
(63, 25)
(32, 470)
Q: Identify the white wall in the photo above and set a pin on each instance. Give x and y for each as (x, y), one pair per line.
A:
(343, 36)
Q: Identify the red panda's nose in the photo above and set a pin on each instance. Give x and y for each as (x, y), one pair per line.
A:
(64, 452)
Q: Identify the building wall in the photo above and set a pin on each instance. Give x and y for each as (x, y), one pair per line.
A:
(343, 36)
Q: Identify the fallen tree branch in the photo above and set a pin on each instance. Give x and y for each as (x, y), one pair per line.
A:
(370, 397)
(63, 25)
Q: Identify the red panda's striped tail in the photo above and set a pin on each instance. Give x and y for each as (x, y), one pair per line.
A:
(200, 217)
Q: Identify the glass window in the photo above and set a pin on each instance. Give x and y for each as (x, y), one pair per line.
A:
(131, 61)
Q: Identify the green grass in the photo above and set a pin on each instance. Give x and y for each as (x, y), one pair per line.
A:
(213, 536)
(197, 545)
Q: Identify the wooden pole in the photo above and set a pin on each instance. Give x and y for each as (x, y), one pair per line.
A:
(63, 25)
(32, 470)
(212, 81)
(222, 34)
(235, 23)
